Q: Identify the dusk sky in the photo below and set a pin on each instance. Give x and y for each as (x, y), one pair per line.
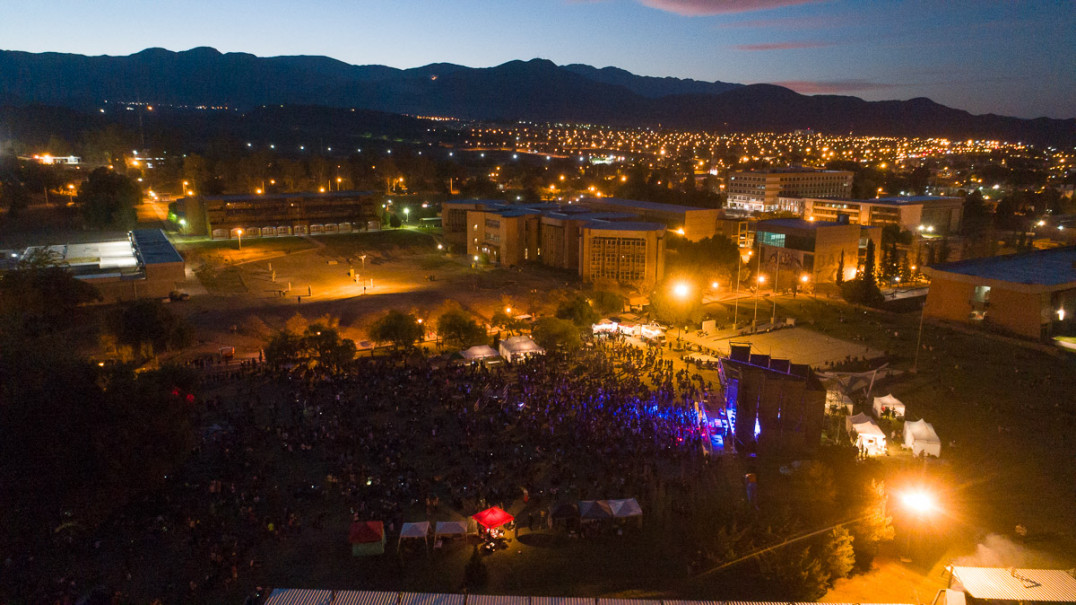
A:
(1007, 57)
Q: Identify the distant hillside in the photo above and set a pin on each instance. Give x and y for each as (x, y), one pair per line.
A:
(535, 90)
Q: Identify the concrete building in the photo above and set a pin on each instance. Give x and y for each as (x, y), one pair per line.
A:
(771, 405)
(627, 253)
(271, 215)
(562, 236)
(790, 249)
(760, 191)
(143, 265)
(1031, 294)
(692, 223)
(938, 215)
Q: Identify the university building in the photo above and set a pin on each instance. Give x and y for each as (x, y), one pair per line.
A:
(790, 249)
(938, 215)
(1031, 294)
(594, 243)
(762, 191)
(271, 215)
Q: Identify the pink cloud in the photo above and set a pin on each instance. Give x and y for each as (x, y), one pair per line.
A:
(702, 8)
(814, 87)
(782, 45)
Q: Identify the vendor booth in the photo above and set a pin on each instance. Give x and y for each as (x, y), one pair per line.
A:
(868, 436)
(419, 530)
(479, 353)
(888, 404)
(623, 509)
(518, 348)
(367, 538)
(922, 439)
(594, 510)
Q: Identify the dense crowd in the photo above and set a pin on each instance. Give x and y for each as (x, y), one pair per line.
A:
(399, 439)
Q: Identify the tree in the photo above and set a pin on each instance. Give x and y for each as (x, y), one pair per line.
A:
(578, 311)
(107, 199)
(324, 347)
(552, 333)
(606, 302)
(838, 555)
(506, 322)
(668, 308)
(283, 348)
(839, 280)
(976, 218)
(40, 296)
(458, 330)
(399, 328)
(876, 525)
(869, 274)
(147, 325)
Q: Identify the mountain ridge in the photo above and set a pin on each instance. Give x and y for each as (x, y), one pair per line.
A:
(532, 90)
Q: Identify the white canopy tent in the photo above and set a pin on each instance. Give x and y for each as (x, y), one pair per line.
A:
(479, 353)
(869, 436)
(889, 402)
(450, 528)
(419, 530)
(625, 508)
(851, 421)
(519, 347)
(921, 438)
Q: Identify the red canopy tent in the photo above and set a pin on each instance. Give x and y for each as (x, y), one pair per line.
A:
(492, 518)
(367, 538)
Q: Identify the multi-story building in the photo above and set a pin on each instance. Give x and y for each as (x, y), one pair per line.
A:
(692, 223)
(938, 215)
(761, 191)
(1031, 294)
(790, 249)
(560, 236)
(270, 215)
(627, 252)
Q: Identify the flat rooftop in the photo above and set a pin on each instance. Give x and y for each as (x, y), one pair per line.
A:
(153, 247)
(1055, 267)
(795, 223)
(625, 226)
(898, 200)
(88, 260)
(243, 197)
(655, 206)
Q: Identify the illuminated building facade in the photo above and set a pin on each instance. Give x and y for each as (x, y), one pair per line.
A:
(272, 215)
(761, 191)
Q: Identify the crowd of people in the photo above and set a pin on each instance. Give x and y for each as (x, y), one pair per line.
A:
(396, 439)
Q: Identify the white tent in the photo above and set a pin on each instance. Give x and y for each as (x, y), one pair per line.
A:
(519, 347)
(921, 437)
(479, 353)
(625, 508)
(851, 421)
(450, 528)
(869, 436)
(889, 402)
(419, 530)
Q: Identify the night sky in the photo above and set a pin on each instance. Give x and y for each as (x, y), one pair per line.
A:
(1013, 57)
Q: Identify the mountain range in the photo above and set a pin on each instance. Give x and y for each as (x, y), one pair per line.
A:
(536, 90)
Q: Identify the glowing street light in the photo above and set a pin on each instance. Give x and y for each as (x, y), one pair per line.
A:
(713, 285)
(239, 232)
(805, 278)
(681, 290)
(407, 213)
(919, 501)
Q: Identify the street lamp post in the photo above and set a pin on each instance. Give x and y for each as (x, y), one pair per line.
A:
(681, 290)
(239, 232)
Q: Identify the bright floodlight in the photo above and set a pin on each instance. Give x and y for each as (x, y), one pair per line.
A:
(805, 278)
(761, 279)
(681, 290)
(918, 501)
(713, 285)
